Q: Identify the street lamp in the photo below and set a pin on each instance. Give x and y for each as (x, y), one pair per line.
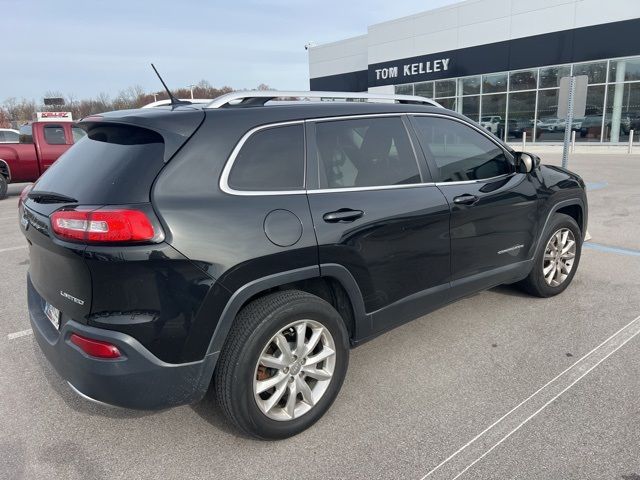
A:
(191, 87)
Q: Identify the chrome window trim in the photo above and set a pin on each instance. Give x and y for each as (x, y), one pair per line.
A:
(482, 132)
(226, 171)
(375, 187)
(224, 177)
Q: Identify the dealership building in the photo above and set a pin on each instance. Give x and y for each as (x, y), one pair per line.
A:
(500, 62)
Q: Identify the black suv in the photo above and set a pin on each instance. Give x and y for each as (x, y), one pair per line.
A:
(251, 242)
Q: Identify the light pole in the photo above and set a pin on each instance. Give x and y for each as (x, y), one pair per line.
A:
(155, 97)
(191, 87)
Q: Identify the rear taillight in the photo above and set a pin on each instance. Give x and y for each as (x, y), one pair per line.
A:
(104, 225)
(24, 193)
(95, 348)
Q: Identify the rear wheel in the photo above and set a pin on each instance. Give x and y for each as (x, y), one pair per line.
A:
(557, 258)
(283, 364)
(4, 186)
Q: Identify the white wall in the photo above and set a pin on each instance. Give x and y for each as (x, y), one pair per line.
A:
(465, 24)
(344, 56)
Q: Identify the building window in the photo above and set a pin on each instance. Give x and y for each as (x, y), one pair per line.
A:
(590, 126)
(533, 101)
(520, 120)
(445, 88)
(623, 112)
(550, 76)
(625, 70)
(424, 89)
(404, 89)
(549, 127)
(449, 103)
(524, 80)
(470, 85)
(494, 83)
(596, 71)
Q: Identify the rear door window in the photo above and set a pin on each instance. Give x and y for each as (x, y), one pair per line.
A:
(365, 152)
(54, 135)
(270, 160)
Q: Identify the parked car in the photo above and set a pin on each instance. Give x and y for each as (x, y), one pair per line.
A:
(250, 244)
(491, 123)
(591, 125)
(554, 124)
(9, 135)
(39, 145)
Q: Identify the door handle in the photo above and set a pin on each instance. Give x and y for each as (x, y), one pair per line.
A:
(465, 199)
(342, 215)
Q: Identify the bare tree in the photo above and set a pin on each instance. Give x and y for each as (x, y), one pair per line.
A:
(16, 112)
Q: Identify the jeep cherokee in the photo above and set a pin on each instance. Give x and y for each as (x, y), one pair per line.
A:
(250, 243)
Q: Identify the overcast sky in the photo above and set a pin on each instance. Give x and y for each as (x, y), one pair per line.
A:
(86, 47)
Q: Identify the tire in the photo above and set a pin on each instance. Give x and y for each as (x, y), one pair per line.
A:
(4, 186)
(251, 338)
(535, 283)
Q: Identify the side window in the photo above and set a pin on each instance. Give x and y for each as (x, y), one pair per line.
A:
(2, 138)
(365, 152)
(11, 137)
(78, 133)
(270, 160)
(459, 152)
(54, 135)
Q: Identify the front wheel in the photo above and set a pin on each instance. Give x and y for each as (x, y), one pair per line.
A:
(283, 364)
(557, 258)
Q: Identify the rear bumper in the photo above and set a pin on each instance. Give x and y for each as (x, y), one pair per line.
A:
(137, 380)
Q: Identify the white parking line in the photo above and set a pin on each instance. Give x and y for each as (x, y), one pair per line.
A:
(491, 437)
(10, 249)
(22, 333)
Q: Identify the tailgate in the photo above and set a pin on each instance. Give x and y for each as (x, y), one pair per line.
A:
(57, 268)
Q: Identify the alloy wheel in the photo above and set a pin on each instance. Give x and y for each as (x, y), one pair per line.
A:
(294, 370)
(559, 256)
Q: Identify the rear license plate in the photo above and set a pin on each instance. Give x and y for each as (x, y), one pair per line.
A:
(53, 314)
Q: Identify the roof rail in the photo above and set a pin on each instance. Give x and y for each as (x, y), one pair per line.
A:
(161, 103)
(260, 97)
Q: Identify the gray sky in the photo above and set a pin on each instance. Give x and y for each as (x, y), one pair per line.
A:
(87, 47)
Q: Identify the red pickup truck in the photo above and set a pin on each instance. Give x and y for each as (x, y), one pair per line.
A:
(40, 144)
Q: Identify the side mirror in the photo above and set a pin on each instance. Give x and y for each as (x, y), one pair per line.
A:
(526, 162)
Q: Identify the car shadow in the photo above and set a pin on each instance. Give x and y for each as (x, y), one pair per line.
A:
(510, 291)
(75, 401)
(210, 411)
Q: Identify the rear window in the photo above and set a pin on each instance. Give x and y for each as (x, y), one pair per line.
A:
(270, 160)
(54, 135)
(113, 164)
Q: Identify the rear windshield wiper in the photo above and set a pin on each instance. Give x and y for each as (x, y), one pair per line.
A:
(50, 197)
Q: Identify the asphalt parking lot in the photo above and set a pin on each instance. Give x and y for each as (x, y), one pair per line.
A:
(498, 385)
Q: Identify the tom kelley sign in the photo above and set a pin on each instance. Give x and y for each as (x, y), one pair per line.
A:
(412, 69)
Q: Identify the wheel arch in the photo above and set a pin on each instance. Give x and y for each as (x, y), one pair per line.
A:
(572, 206)
(332, 282)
